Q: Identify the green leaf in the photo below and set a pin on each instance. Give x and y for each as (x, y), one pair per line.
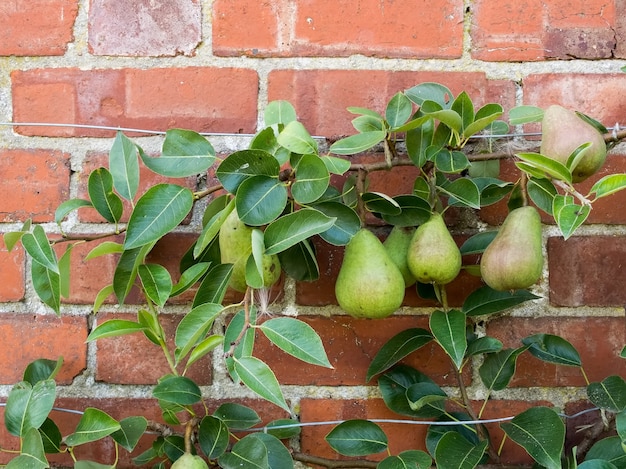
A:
(430, 92)
(91, 465)
(312, 178)
(131, 430)
(420, 395)
(101, 296)
(368, 124)
(257, 376)
(414, 211)
(124, 166)
(249, 453)
(547, 165)
(194, 326)
(378, 202)
(203, 348)
(462, 191)
(283, 428)
(213, 436)
(12, 238)
(234, 330)
(357, 438)
(126, 271)
(244, 164)
(32, 453)
(455, 452)
(484, 117)
(452, 162)
(609, 394)
(418, 140)
(411, 459)
(346, 225)
(398, 110)
(486, 300)
(94, 425)
(156, 281)
(185, 153)
(190, 277)
(525, 114)
(552, 349)
(65, 268)
(299, 262)
(51, 437)
(237, 416)
(69, 206)
(396, 348)
(608, 449)
(296, 338)
(297, 139)
(115, 328)
(449, 331)
(105, 248)
(477, 243)
(569, 216)
(279, 112)
(28, 406)
(608, 185)
(278, 456)
(47, 285)
(41, 370)
(483, 345)
(542, 193)
(260, 200)
(38, 247)
(336, 165)
(289, 230)
(177, 390)
(464, 107)
(448, 117)
(393, 386)
(213, 287)
(498, 368)
(357, 143)
(541, 432)
(364, 111)
(158, 211)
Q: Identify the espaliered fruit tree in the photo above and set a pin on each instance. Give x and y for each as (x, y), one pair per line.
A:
(257, 224)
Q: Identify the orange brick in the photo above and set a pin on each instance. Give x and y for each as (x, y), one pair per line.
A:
(11, 273)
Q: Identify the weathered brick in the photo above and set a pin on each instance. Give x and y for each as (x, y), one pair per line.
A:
(321, 96)
(598, 96)
(28, 337)
(351, 345)
(154, 99)
(144, 28)
(598, 341)
(11, 273)
(38, 181)
(587, 270)
(36, 28)
(534, 30)
(315, 28)
(133, 359)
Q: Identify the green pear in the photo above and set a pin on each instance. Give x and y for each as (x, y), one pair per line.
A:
(235, 239)
(397, 246)
(514, 259)
(563, 132)
(433, 256)
(369, 284)
(189, 461)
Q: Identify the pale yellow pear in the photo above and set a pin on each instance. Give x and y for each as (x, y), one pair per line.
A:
(235, 240)
(369, 284)
(563, 131)
(433, 256)
(189, 461)
(397, 246)
(514, 259)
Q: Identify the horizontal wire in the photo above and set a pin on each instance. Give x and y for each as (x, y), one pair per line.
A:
(226, 134)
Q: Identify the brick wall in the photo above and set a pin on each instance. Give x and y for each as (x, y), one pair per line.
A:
(212, 66)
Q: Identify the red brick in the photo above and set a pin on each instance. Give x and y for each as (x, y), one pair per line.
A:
(11, 273)
(351, 345)
(155, 99)
(36, 28)
(28, 337)
(536, 30)
(620, 29)
(598, 341)
(147, 179)
(602, 97)
(322, 96)
(133, 359)
(587, 270)
(314, 28)
(38, 181)
(144, 28)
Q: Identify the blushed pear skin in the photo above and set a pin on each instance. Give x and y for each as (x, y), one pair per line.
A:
(369, 285)
(514, 259)
(433, 256)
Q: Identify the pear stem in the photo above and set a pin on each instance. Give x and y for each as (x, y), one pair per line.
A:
(360, 189)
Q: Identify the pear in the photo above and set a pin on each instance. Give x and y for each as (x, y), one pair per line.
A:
(563, 132)
(369, 284)
(189, 461)
(514, 259)
(397, 246)
(235, 240)
(433, 256)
